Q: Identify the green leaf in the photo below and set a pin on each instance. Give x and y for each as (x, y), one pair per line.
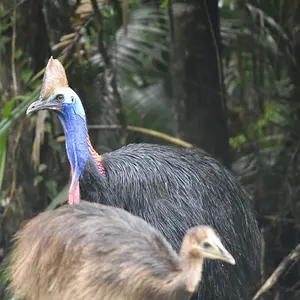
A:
(42, 167)
(237, 141)
(3, 139)
(7, 122)
(26, 75)
(18, 54)
(9, 118)
(37, 180)
(60, 198)
(8, 108)
(164, 4)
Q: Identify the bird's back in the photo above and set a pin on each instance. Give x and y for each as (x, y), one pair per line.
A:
(88, 251)
(174, 189)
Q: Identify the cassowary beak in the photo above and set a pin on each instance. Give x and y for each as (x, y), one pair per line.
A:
(44, 104)
(226, 256)
(221, 253)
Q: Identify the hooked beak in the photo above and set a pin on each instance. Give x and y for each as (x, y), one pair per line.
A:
(43, 105)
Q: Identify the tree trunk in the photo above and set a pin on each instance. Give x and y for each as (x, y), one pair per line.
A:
(197, 77)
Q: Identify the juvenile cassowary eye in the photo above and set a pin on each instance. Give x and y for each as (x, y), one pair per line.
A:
(206, 245)
(59, 98)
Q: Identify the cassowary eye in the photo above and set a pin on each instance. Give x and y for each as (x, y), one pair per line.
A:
(59, 98)
(206, 245)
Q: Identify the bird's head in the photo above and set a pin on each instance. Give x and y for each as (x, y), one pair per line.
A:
(56, 94)
(205, 243)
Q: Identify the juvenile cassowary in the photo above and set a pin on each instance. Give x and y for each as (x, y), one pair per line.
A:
(171, 188)
(112, 255)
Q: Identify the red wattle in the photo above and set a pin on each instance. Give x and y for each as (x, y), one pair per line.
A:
(74, 191)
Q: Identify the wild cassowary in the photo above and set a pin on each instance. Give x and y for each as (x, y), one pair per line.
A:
(171, 188)
(91, 251)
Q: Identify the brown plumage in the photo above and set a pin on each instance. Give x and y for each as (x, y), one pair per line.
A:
(90, 251)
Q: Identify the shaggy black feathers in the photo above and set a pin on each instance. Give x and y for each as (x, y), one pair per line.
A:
(174, 189)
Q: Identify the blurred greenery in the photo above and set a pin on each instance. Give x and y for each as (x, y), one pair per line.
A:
(260, 60)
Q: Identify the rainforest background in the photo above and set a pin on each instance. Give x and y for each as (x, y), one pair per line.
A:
(222, 76)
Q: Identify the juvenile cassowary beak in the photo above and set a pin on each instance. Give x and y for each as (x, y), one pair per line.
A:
(44, 104)
(226, 256)
(218, 251)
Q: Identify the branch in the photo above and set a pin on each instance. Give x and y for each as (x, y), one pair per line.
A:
(13, 51)
(291, 258)
(65, 52)
(125, 15)
(16, 5)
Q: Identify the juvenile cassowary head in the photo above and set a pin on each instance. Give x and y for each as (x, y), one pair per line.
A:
(204, 242)
(58, 96)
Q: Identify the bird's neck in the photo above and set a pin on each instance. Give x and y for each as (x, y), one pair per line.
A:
(183, 282)
(190, 273)
(187, 277)
(78, 144)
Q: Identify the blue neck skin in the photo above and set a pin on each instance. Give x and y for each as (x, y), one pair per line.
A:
(75, 129)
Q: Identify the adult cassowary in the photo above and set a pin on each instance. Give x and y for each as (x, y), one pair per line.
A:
(171, 188)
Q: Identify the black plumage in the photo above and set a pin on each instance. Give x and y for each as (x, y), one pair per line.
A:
(174, 189)
(171, 188)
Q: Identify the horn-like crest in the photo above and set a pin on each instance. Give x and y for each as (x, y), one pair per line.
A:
(54, 77)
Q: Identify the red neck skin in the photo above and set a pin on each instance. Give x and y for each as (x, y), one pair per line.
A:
(97, 157)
